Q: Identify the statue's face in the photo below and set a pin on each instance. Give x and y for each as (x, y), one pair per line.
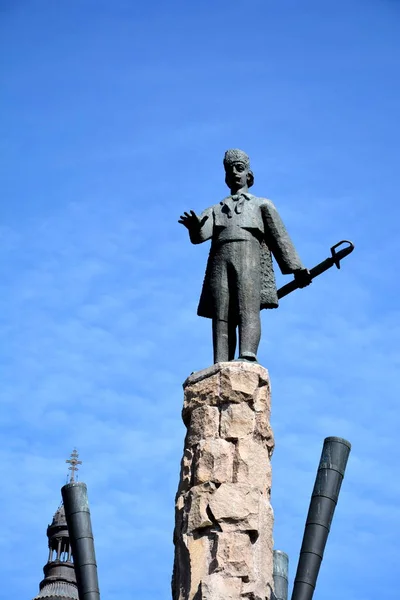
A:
(236, 176)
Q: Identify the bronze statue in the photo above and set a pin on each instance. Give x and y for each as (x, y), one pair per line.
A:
(245, 231)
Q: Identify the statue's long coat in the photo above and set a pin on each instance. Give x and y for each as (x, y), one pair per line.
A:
(259, 216)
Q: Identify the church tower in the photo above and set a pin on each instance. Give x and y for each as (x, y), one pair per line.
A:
(59, 580)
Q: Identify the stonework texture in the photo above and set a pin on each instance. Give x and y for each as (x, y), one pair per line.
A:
(223, 517)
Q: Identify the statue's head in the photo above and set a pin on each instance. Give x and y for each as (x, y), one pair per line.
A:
(237, 170)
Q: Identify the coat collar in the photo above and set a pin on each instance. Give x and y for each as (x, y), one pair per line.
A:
(237, 205)
(245, 194)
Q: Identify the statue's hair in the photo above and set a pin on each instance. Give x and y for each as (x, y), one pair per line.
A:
(235, 155)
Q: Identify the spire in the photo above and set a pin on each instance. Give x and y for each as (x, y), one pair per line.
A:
(73, 461)
(59, 582)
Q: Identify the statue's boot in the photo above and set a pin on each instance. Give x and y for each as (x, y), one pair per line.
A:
(224, 340)
(249, 337)
(247, 357)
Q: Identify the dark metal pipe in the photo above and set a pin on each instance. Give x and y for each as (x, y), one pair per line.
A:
(280, 575)
(77, 515)
(332, 465)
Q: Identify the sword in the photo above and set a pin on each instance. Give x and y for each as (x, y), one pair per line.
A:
(334, 259)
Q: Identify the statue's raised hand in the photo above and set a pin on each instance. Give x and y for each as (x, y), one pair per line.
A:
(191, 221)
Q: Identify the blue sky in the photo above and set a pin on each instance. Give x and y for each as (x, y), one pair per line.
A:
(115, 118)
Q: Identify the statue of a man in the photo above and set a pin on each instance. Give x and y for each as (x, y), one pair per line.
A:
(245, 230)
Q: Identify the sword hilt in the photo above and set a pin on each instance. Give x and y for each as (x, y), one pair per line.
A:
(338, 255)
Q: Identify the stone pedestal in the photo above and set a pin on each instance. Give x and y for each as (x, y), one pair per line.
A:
(223, 522)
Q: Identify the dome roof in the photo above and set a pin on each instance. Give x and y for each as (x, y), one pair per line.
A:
(58, 589)
(59, 516)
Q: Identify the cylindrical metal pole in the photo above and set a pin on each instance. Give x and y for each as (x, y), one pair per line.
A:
(280, 574)
(335, 453)
(77, 515)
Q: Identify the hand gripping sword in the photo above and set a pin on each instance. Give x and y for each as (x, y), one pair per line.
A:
(334, 259)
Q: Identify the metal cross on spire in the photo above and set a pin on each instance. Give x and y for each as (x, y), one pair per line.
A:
(73, 461)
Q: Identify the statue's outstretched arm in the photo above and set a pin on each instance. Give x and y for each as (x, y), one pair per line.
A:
(200, 227)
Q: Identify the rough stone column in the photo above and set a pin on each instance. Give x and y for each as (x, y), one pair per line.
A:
(223, 521)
